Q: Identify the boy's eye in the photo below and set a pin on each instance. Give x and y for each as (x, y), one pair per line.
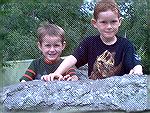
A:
(48, 45)
(114, 21)
(103, 22)
(57, 45)
(52, 45)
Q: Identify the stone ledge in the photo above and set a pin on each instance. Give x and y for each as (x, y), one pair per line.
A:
(123, 93)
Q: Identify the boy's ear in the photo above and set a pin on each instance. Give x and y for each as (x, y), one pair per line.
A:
(64, 45)
(120, 20)
(39, 46)
(93, 21)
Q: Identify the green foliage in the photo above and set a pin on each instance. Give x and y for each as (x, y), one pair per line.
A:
(21, 19)
(20, 46)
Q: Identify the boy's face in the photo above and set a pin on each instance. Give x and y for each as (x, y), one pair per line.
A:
(107, 24)
(51, 47)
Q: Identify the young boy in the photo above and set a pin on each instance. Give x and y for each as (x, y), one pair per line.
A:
(106, 54)
(51, 43)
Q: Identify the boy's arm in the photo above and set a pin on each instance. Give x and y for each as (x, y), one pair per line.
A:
(137, 70)
(68, 62)
(132, 61)
(63, 67)
(29, 74)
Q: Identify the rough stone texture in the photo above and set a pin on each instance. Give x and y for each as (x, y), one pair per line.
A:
(127, 93)
(148, 91)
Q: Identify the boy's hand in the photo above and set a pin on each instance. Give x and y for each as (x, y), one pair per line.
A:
(137, 70)
(70, 78)
(52, 77)
(23, 81)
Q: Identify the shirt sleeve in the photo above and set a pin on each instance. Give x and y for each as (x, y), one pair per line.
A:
(81, 53)
(30, 73)
(71, 71)
(131, 58)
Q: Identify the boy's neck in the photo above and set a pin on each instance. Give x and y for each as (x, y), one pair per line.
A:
(50, 62)
(109, 41)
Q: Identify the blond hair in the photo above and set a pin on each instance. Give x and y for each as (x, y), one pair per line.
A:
(46, 28)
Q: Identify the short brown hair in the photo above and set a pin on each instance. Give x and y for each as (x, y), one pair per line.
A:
(46, 28)
(105, 5)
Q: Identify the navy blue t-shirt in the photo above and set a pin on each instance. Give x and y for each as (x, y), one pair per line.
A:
(91, 47)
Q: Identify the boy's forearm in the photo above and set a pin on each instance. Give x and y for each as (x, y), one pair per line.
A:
(66, 64)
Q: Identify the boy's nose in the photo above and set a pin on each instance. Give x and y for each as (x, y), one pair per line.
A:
(109, 25)
(52, 48)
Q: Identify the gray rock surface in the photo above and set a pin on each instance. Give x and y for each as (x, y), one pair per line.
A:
(127, 93)
(148, 91)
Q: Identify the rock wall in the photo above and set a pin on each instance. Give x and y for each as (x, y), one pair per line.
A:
(127, 93)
